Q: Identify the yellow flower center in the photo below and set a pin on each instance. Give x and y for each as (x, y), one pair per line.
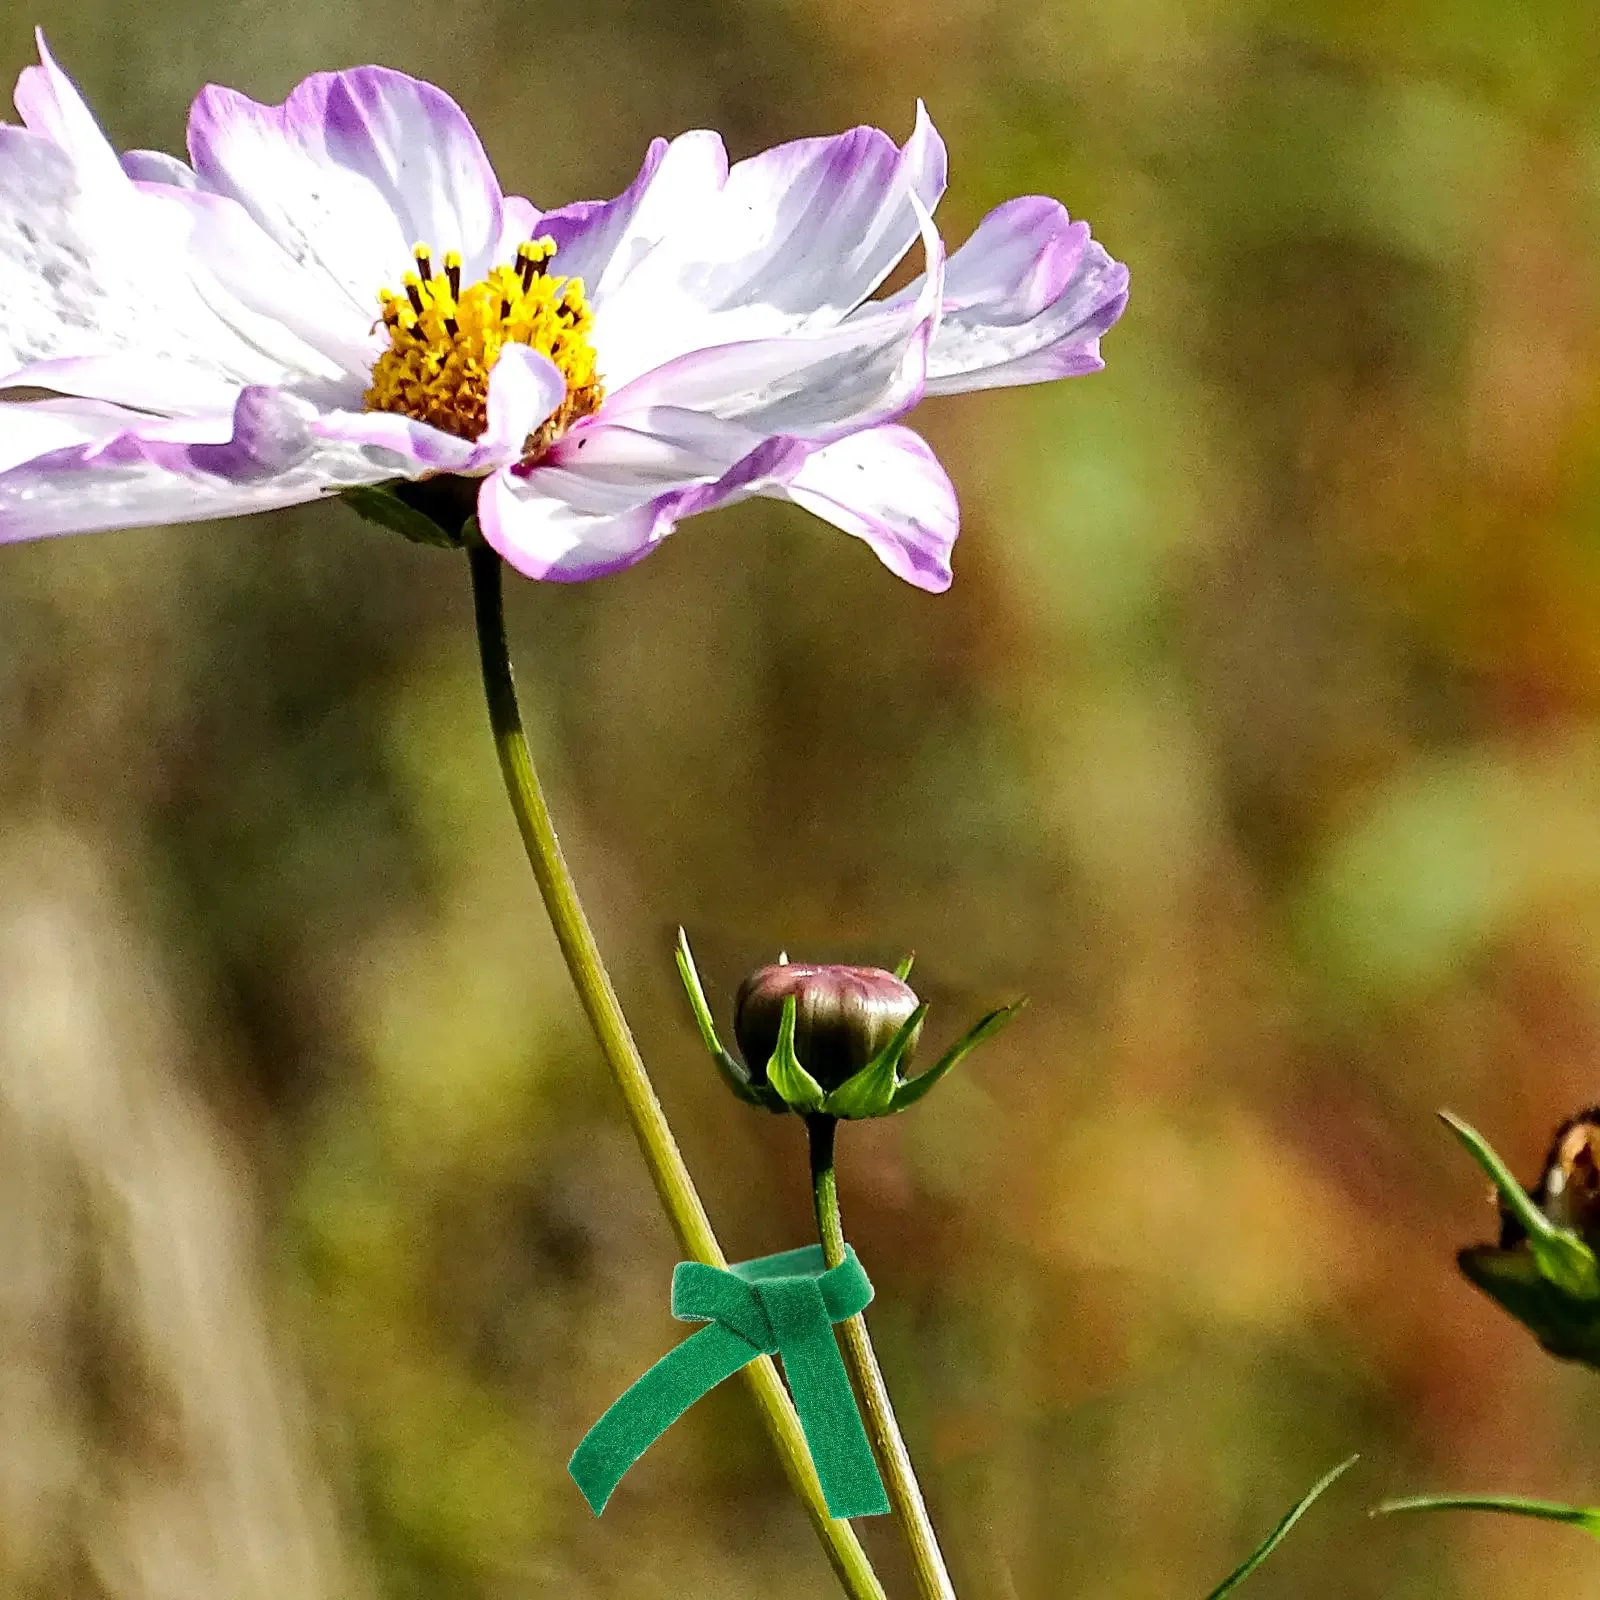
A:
(444, 341)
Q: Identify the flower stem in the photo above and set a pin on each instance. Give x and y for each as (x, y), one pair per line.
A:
(673, 1185)
(899, 1478)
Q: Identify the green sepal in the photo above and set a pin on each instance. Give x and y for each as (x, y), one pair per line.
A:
(903, 970)
(908, 1093)
(799, 1089)
(1586, 1518)
(375, 503)
(728, 1065)
(1278, 1534)
(871, 1091)
(1564, 1326)
(1563, 1259)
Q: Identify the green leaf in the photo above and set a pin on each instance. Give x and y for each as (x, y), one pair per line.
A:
(1563, 1258)
(1585, 1517)
(784, 1072)
(1278, 1534)
(374, 503)
(910, 1092)
(870, 1092)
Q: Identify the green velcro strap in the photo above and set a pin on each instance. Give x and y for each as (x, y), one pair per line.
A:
(783, 1305)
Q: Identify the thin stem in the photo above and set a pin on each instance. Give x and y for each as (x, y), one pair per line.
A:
(899, 1478)
(674, 1186)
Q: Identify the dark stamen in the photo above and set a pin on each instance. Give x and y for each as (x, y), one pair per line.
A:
(451, 326)
(453, 272)
(414, 295)
(424, 264)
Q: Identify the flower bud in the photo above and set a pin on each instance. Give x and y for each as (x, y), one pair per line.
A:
(1568, 1192)
(827, 1041)
(1544, 1269)
(844, 1017)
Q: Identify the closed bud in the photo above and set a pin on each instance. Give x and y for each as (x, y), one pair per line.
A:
(844, 1017)
(1568, 1191)
(1544, 1269)
(827, 1041)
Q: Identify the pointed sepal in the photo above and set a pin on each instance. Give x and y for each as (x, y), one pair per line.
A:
(799, 1090)
(731, 1069)
(871, 1091)
(374, 503)
(1563, 1259)
(908, 1093)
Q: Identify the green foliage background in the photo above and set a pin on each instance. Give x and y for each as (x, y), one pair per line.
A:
(1258, 742)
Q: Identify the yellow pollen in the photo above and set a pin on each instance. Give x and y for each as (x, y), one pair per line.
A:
(444, 341)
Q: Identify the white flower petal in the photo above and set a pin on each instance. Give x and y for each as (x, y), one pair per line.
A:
(519, 221)
(98, 276)
(156, 166)
(143, 382)
(31, 428)
(602, 241)
(1026, 299)
(545, 536)
(289, 313)
(351, 171)
(49, 103)
(795, 239)
(886, 487)
(524, 388)
(866, 372)
(565, 527)
(265, 455)
(649, 450)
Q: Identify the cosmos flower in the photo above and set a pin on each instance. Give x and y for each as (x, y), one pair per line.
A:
(334, 294)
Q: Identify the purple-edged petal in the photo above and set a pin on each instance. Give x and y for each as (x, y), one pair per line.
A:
(543, 535)
(886, 487)
(142, 381)
(564, 527)
(413, 449)
(792, 241)
(649, 450)
(822, 386)
(156, 166)
(1026, 299)
(524, 388)
(49, 104)
(264, 455)
(32, 428)
(519, 221)
(351, 171)
(602, 241)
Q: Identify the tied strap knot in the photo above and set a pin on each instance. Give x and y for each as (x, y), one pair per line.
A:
(744, 1296)
(783, 1305)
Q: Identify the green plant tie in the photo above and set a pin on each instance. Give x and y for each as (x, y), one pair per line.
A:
(783, 1305)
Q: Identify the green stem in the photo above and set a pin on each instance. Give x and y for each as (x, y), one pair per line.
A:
(899, 1478)
(674, 1186)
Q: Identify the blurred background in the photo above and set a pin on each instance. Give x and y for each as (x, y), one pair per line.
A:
(1258, 742)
